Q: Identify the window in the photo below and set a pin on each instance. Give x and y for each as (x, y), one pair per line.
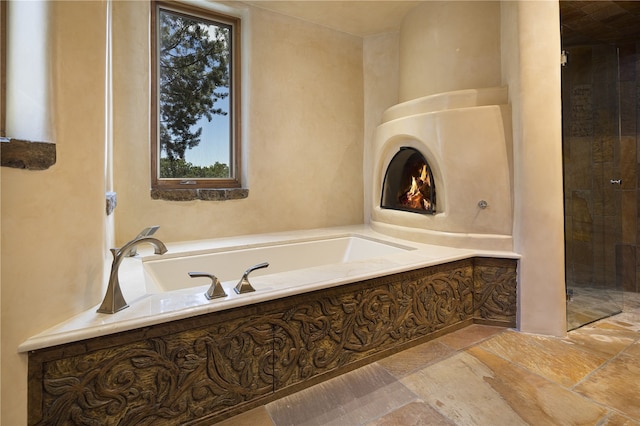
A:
(195, 98)
(24, 117)
(3, 60)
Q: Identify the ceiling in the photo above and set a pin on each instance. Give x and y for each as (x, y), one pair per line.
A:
(360, 18)
(610, 22)
(583, 22)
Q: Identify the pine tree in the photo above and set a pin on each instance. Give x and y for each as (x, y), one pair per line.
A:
(194, 75)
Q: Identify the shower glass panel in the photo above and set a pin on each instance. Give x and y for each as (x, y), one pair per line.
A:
(594, 246)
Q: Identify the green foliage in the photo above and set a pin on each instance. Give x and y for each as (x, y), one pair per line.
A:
(179, 168)
(194, 74)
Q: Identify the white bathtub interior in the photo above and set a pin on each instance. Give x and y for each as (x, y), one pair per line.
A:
(169, 273)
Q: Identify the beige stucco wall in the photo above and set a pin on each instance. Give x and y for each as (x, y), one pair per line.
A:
(381, 68)
(303, 139)
(449, 45)
(53, 221)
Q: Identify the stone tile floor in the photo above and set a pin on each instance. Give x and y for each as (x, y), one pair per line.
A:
(483, 375)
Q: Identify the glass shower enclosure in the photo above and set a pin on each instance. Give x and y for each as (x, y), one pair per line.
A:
(594, 241)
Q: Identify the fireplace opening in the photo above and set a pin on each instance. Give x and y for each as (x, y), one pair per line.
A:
(408, 183)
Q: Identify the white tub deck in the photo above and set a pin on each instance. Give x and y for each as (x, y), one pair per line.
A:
(158, 288)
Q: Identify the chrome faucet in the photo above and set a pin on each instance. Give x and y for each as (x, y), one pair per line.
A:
(244, 286)
(113, 299)
(146, 232)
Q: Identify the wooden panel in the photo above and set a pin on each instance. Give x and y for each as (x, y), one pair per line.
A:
(495, 299)
(205, 368)
(325, 333)
(161, 380)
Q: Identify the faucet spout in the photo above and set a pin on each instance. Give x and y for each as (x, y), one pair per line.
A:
(146, 232)
(113, 299)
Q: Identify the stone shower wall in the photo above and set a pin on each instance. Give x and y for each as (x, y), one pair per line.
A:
(600, 219)
(629, 258)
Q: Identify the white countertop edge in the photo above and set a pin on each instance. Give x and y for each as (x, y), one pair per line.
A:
(90, 324)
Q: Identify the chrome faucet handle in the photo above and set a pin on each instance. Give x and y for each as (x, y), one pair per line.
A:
(215, 290)
(146, 232)
(244, 286)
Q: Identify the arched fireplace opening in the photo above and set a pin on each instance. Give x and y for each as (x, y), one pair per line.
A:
(408, 183)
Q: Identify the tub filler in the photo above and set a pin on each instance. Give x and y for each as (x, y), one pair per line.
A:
(330, 301)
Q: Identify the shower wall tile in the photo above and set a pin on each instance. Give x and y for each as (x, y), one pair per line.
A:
(628, 162)
(568, 245)
(582, 262)
(627, 55)
(581, 111)
(602, 193)
(605, 121)
(610, 194)
(629, 217)
(609, 254)
(581, 172)
(581, 208)
(628, 103)
(580, 66)
(603, 148)
(626, 267)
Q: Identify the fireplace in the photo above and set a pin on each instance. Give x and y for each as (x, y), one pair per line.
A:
(408, 183)
(442, 170)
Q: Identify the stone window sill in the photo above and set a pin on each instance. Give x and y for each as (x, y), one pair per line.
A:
(214, 194)
(29, 155)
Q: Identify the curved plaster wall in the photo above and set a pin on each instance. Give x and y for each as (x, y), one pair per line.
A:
(455, 112)
(466, 138)
(447, 46)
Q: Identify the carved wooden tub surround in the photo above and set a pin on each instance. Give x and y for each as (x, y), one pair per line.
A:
(206, 368)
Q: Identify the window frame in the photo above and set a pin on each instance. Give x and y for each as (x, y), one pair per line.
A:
(234, 181)
(3, 67)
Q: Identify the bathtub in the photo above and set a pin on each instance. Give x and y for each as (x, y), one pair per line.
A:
(169, 273)
(158, 288)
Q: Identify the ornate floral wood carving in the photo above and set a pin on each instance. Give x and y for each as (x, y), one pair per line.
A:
(495, 282)
(323, 334)
(165, 380)
(200, 368)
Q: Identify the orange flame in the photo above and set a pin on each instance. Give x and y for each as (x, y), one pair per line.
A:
(415, 198)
